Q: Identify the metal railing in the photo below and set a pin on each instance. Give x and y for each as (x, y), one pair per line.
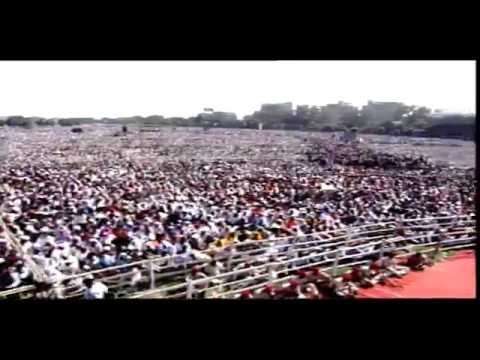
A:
(188, 288)
(383, 242)
(161, 271)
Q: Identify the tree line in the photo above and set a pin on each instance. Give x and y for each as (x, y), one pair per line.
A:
(406, 121)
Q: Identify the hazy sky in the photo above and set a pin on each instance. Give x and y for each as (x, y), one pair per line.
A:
(184, 88)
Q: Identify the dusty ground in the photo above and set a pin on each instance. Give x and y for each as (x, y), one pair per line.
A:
(456, 152)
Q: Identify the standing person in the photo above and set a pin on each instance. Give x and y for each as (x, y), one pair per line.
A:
(94, 289)
(196, 291)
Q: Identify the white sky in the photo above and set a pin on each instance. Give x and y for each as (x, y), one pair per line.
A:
(183, 88)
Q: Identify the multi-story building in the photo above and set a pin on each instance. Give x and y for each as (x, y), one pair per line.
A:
(280, 109)
(272, 115)
(224, 116)
(332, 113)
(303, 111)
(218, 116)
(380, 112)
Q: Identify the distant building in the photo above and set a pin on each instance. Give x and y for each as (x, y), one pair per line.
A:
(272, 115)
(224, 116)
(332, 113)
(441, 115)
(282, 108)
(218, 116)
(302, 111)
(380, 112)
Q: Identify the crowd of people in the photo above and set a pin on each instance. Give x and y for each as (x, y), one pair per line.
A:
(314, 283)
(89, 201)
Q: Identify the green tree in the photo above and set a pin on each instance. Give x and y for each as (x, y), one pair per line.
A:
(352, 119)
(417, 117)
(45, 122)
(402, 112)
(388, 127)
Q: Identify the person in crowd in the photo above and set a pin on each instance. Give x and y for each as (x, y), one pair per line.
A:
(268, 292)
(246, 295)
(417, 261)
(358, 276)
(94, 289)
(92, 205)
(392, 267)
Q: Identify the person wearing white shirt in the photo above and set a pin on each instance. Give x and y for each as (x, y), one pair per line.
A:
(107, 259)
(168, 247)
(39, 258)
(94, 290)
(138, 240)
(136, 277)
(55, 277)
(56, 254)
(15, 276)
(72, 264)
(214, 268)
(27, 246)
(24, 272)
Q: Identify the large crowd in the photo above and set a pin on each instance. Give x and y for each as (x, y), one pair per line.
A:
(82, 202)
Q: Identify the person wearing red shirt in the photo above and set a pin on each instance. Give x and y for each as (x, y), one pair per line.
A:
(268, 292)
(416, 262)
(292, 291)
(247, 294)
(375, 271)
(347, 277)
(291, 223)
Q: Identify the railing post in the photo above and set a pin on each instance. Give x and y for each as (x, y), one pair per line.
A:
(382, 249)
(171, 260)
(189, 288)
(335, 263)
(438, 247)
(229, 261)
(151, 274)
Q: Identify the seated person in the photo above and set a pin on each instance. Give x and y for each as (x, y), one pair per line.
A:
(416, 262)
(374, 271)
(359, 276)
(246, 294)
(196, 290)
(292, 291)
(341, 289)
(329, 287)
(392, 268)
(268, 292)
(311, 292)
(320, 280)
